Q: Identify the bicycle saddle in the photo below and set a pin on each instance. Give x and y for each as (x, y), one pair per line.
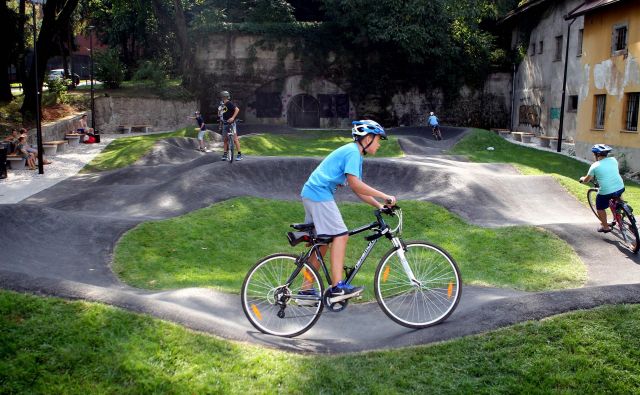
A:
(303, 227)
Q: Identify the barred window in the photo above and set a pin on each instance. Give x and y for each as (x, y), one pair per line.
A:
(600, 101)
(633, 100)
(580, 37)
(619, 39)
(558, 55)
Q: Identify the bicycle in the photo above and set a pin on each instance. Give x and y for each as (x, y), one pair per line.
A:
(435, 130)
(417, 284)
(622, 217)
(231, 132)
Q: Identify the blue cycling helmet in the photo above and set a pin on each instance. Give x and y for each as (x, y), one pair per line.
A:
(365, 127)
(601, 149)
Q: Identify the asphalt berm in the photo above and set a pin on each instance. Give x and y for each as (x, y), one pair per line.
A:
(60, 241)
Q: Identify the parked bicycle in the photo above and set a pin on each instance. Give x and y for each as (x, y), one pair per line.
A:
(417, 284)
(623, 218)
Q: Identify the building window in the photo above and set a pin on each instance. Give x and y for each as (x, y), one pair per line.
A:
(600, 101)
(619, 40)
(540, 46)
(533, 49)
(558, 55)
(573, 103)
(633, 100)
(580, 35)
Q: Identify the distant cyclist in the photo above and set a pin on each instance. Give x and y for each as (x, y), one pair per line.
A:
(229, 113)
(342, 167)
(435, 125)
(605, 170)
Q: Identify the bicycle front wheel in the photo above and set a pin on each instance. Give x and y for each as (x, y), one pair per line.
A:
(591, 198)
(426, 302)
(231, 148)
(275, 308)
(629, 231)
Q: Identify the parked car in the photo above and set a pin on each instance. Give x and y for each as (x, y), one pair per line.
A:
(59, 73)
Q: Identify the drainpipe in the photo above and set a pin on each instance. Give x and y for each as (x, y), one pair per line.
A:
(564, 86)
(513, 95)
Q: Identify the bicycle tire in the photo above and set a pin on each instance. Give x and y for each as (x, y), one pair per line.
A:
(591, 198)
(259, 296)
(629, 231)
(231, 148)
(418, 307)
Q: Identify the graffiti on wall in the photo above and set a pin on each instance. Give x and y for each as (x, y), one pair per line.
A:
(529, 114)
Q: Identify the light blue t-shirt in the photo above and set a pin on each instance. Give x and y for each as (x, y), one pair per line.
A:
(433, 120)
(331, 172)
(608, 176)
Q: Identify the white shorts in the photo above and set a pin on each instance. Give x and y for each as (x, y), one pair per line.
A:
(325, 216)
(201, 134)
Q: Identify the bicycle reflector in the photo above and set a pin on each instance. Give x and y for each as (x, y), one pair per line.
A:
(256, 311)
(385, 275)
(450, 290)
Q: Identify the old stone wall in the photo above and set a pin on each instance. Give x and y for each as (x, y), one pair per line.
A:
(160, 114)
(56, 130)
(489, 107)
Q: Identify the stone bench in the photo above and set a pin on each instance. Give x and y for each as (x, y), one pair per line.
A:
(73, 138)
(500, 132)
(49, 149)
(60, 144)
(545, 141)
(522, 136)
(129, 128)
(17, 162)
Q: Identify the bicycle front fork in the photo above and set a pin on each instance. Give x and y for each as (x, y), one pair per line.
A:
(400, 248)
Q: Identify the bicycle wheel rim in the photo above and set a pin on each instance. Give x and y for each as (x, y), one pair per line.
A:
(428, 304)
(258, 296)
(591, 199)
(630, 232)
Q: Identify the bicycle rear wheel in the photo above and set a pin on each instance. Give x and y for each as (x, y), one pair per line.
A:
(629, 231)
(276, 309)
(430, 301)
(591, 198)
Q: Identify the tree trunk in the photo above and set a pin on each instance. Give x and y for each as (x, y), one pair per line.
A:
(56, 17)
(186, 63)
(7, 31)
(21, 67)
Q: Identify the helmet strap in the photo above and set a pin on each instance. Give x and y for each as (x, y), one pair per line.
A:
(364, 149)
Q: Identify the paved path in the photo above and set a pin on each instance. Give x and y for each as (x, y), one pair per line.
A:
(78, 222)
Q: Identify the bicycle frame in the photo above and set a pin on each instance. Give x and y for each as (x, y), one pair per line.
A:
(382, 230)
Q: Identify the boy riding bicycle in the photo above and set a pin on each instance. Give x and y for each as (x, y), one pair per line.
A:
(605, 170)
(228, 114)
(435, 125)
(342, 167)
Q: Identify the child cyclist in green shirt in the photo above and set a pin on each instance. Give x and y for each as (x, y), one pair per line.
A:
(605, 170)
(342, 167)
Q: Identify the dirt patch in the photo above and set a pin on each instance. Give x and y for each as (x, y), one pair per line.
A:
(57, 111)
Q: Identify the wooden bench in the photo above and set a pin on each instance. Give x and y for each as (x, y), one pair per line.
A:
(16, 161)
(124, 129)
(60, 144)
(73, 138)
(500, 132)
(522, 136)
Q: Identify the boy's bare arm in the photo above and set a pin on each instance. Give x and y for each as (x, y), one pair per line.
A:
(361, 189)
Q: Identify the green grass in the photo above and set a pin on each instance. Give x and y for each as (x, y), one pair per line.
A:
(531, 161)
(309, 143)
(48, 345)
(215, 247)
(126, 150)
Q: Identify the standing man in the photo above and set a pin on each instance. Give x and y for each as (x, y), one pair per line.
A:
(229, 113)
(203, 128)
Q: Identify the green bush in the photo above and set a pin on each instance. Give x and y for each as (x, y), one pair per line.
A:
(153, 72)
(58, 87)
(109, 69)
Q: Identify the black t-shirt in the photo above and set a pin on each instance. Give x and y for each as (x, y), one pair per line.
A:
(200, 121)
(228, 109)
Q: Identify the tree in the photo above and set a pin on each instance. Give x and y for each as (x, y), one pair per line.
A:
(56, 19)
(9, 33)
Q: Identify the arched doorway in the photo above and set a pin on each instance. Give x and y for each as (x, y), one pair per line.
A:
(303, 112)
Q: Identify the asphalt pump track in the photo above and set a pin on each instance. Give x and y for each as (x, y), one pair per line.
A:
(60, 241)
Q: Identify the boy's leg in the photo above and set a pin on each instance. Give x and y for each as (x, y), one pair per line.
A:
(338, 252)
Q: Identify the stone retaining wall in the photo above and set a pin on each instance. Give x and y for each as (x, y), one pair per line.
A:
(57, 130)
(160, 114)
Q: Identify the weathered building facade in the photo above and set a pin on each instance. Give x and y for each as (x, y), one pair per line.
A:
(268, 82)
(540, 30)
(610, 95)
